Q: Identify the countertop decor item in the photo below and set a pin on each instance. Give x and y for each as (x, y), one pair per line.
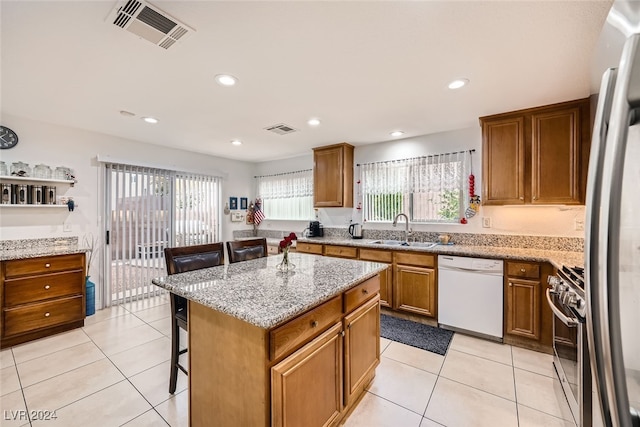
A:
(285, 245)
(8, 138)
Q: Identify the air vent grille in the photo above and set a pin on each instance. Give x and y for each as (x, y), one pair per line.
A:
(148, 22)
(281, 129)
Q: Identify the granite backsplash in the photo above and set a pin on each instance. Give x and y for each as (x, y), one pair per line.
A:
(573, 244)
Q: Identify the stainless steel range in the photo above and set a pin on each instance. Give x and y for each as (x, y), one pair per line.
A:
(566, 298)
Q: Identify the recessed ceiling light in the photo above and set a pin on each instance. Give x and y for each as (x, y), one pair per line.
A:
(457, 84)
(313, 122)
(150, 120)
(236, 142)
(397, 133)
(226, 80)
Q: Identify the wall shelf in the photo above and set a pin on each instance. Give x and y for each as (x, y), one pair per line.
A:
(33, 206)
(30, 179)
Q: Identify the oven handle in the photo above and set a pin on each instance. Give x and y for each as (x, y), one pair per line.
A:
(572, 323)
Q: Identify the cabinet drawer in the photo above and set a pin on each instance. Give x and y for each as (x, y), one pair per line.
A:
(309, 248)
(288, 337)
(273, 250)
(364, 291)
(32, 266)
(341, 251)
(376, 255)
(409, 258)
(37, 288)
(43, 315)
(521, 269)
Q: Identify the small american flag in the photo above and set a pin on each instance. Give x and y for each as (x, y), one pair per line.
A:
(258, 215)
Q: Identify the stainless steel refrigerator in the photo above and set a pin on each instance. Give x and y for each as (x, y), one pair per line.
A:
(612, 241)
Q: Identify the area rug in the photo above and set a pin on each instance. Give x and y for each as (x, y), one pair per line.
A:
(415, 334)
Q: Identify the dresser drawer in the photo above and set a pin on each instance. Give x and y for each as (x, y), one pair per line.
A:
(413, 258)
(32, 266)
(376, 255)
(288, 337)
(43, 287)
(354, 297)
(341, 251)
(42, 315)
(521, 269)
(309, 248)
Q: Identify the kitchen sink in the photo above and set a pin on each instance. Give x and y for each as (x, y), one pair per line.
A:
(403, 243)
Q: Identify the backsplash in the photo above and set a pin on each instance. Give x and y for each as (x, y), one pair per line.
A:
(10, 245)
(573, 244)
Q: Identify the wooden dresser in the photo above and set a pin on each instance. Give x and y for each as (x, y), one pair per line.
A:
(41, 296)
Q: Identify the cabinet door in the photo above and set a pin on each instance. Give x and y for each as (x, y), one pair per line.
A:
(362, 347)
(333, 176)
(415, 290)
(555, 157)
(523, 308)
(385, 276)
(386, 288)
(503, 153)
(297, 401)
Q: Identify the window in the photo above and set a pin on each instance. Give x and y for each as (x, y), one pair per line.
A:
(427, 189)
(287, 195)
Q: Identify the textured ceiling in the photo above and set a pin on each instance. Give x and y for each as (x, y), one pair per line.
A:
(363, 68)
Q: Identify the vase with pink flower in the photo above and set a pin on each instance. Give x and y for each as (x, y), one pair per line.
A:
(285, 244)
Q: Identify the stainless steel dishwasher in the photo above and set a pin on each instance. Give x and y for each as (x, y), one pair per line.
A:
(470, 295)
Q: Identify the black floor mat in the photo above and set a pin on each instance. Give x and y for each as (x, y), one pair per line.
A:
(435, 340)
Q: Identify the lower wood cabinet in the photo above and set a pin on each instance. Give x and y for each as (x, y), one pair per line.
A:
(41, 296)
(414, 283)
(386, 283)
(309, 248)
(297, 401)
(527, 316)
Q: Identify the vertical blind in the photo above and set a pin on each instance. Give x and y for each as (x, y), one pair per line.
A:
(427, 189)
(150, 209)
(287, 195)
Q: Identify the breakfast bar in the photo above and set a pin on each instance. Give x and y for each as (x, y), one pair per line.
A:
(272, 348)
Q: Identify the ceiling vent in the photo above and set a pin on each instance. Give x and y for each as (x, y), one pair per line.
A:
(148, 22)
(281, 129)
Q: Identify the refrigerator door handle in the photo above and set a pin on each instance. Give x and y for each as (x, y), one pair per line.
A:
(626, 97)
(592, 231)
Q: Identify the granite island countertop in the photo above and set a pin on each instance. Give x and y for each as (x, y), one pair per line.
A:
(256, 292)
(555, 257)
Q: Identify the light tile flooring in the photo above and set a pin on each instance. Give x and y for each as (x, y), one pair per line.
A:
(115, 371)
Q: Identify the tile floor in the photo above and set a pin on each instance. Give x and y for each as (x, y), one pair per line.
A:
(114, 372)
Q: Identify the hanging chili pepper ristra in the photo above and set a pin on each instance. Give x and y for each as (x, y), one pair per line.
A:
(474, 199)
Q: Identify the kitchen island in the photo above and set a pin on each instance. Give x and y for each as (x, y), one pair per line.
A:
(268, 348)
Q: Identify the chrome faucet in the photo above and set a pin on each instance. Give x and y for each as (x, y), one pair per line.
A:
(407, 230)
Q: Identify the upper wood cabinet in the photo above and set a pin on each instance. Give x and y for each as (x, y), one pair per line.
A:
(333, 176)
(536, 156)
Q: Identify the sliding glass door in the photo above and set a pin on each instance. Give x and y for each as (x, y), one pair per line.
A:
(147, 210)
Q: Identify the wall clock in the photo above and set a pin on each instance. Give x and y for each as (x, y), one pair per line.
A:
(8, 138)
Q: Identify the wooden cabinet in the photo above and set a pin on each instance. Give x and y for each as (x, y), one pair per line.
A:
(386, 283)
(333, 176)
(309, 371)
(341, 251)
(536, 156)
(362, 348)
(41, 296)
(414, 282)
(298, 401)
(527, 317)
(309, 248)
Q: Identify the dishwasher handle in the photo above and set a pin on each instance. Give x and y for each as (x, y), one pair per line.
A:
(471, 270)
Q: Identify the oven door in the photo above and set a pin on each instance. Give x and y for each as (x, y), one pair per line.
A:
(567, 331)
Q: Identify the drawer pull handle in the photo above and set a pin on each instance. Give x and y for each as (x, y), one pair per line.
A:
(47, 287)
(314, 324)
(364, 291)
(47, 314)
(510, 284)
(522, 270)
(47, 265)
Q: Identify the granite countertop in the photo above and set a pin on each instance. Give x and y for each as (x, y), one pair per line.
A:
(40, 251)
(556, 258)
(256, 292)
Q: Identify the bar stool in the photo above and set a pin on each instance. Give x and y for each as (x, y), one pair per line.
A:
(244, 250)
(180, 260)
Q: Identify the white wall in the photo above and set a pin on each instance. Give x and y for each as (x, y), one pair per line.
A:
(528, 220)
(77, 149)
